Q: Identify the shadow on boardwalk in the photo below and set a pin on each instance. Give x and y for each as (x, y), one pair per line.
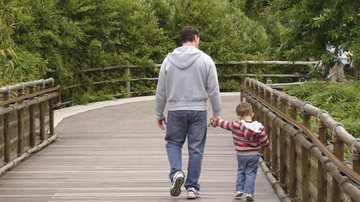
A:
(117, 153)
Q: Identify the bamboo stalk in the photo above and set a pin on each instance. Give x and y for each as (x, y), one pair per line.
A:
(321, 174)
(27, 103)
(216, 63)
(339, 153)
(278, 188)
(8, 89)
(265, 75)
(305, 164)
(283, 146)
(42, 118)
(26, 154)
(267, 97)
(6, 132)
(20, 116)
(282, 174)
(269, 62)
(128, 83)
(51, 116)
(292, 159)
(32, 122)
(274, 141)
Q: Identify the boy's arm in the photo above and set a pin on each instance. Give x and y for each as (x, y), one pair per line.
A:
(263, 138)
(228, 125)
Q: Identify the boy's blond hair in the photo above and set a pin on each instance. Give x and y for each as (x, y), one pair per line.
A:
(244, 109)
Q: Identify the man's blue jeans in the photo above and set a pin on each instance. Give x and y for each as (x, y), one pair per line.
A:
(193, 125)
(246, 173)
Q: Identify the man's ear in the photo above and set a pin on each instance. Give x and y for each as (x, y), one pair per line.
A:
(252, 115)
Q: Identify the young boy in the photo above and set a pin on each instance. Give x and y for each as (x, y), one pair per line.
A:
(248, 136)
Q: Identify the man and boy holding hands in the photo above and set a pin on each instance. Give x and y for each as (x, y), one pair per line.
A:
(187, 78)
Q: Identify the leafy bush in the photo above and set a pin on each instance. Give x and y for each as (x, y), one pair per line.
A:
(61, 38)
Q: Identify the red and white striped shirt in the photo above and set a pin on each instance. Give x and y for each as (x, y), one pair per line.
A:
(248, 136)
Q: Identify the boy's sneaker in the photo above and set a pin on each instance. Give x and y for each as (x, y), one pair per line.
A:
(192, 193)
(249, 197)
(238, 195)
(178, 180)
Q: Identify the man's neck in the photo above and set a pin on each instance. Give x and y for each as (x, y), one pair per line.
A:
(188, 43)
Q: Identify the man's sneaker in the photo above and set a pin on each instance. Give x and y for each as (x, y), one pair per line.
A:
(178, 180)
(249, 197)
(238, 195)
(192, 193)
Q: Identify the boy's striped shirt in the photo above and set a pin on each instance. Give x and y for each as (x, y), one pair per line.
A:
(248, 136)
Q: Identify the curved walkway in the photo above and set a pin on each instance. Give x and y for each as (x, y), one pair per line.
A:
(115, 152)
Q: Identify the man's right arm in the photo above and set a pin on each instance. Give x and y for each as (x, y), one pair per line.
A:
(161, 93)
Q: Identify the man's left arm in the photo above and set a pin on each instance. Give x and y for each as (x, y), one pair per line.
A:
(212, 88)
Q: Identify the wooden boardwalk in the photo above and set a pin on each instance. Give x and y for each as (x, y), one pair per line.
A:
(117, 153)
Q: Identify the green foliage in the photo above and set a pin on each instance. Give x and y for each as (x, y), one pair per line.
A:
(60, 38)
(311, 24)
(342, 101)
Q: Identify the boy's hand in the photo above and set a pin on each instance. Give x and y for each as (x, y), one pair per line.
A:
(212, 121)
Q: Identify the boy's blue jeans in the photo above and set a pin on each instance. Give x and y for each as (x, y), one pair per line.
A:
(193, 125)
(246, 173)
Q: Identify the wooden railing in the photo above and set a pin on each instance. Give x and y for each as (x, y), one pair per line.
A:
(304, 164)
(128, 79)
(26, 120)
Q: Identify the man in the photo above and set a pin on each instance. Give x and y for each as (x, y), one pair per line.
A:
(187, 79)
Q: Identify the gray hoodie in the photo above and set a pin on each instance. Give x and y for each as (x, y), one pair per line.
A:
(187, 79)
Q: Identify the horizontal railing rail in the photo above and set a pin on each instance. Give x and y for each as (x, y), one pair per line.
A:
(128, 79)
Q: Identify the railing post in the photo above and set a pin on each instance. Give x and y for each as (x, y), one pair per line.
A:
(321, 175)
(42, 117)
(274, 141)
(20, 117)
(6, 131)
(282, 146)
(339, 153)
(128, 82)
(305, 181)
(292, 158)
(267, 96)
(32, 121)
(51, 114)
(356, 160)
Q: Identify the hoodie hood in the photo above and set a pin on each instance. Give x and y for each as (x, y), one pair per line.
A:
(254, 126)
(183, 57)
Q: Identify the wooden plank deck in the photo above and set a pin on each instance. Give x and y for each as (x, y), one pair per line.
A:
(117, 153)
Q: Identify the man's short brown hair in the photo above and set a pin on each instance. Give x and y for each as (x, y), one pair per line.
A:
(188, 34)
(244, 109)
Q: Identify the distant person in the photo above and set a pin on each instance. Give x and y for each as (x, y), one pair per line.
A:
(187, 78)
(342, 59)
(248, 136)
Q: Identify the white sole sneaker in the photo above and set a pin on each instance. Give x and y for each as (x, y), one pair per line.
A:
(175, 189)
(249, 198)
(238, 195)
(193, 193)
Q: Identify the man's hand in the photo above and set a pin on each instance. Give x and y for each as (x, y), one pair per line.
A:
(161, 123)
